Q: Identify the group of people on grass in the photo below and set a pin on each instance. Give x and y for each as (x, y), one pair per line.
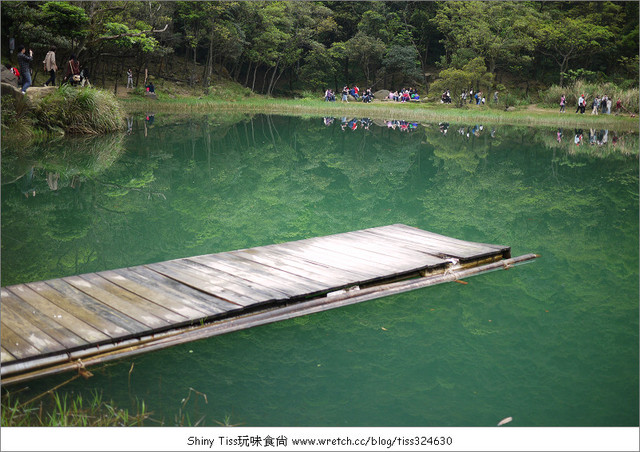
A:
(354, 92)
(602, 104)
(405, 95)
(478, 97)
(73, 74)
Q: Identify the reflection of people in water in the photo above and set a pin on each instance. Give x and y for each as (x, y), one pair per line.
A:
(328, 121)
(27, 184)
(559, 136)
(148, 122)
(444, 126)
(52, 180)
(353, 124)
(129, 125)
(75, 182)
(578, 137)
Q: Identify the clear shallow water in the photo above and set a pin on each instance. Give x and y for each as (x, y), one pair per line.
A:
(553, 343)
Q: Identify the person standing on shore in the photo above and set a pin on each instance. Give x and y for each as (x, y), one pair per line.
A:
(595, 105)
(563, 101)
(582, 105)
(24, 61)
(50, 66)
(129, 79)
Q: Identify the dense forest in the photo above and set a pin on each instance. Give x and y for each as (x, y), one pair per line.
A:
(277, 48)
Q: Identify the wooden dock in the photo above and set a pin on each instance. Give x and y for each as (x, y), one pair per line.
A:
(69, 323)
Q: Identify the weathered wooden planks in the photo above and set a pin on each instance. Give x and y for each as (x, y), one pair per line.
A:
(77, 315)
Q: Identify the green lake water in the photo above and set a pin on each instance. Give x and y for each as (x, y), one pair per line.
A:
(551, 343)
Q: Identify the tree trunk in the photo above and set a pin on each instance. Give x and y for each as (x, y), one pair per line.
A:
(276, 82)
(264, 80)
(115, 86)
(246, 80)
(254, 77)
(563, 68)
(193, 71)
(426, 54)
(346, 70)
(275, 69)
(210, 62)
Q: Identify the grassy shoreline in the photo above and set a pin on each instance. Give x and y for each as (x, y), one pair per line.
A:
(427, 112)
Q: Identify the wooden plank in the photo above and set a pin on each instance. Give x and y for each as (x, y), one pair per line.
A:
(334, 255)
(116, 317)
(156, 309)
(412, 243)
(139, 285)
(446, 239)
(457, 251)
(91, 312)
(59, 315)
(265, 275)
(255, 274)
(395, 257)
(233, 282)
(364, 271)
(142, 313)
(200, 301)
(213, 287)
(5, 356)
(297, 266)
(344, 249)
(473, 249)
(29, 332)
(45, 323)
(16, 344)
(398, 248)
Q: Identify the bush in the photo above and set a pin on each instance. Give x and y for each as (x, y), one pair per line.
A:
(551, 97)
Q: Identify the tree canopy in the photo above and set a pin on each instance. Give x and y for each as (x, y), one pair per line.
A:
(281, 46)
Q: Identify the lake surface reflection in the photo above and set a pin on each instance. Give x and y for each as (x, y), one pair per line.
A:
(554, 343)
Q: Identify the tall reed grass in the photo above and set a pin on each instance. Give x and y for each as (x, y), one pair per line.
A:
(551, 96)
(80, 111)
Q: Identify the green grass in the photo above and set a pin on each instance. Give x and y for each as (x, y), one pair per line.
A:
(68, 110)
(55, 408)
(61, 410)
(428, 112)
(86, 111)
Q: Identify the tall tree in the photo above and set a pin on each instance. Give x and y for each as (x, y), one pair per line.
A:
(569, 38)
(501, 32)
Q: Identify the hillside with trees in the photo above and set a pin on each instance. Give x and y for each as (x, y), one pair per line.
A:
(279, 48)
